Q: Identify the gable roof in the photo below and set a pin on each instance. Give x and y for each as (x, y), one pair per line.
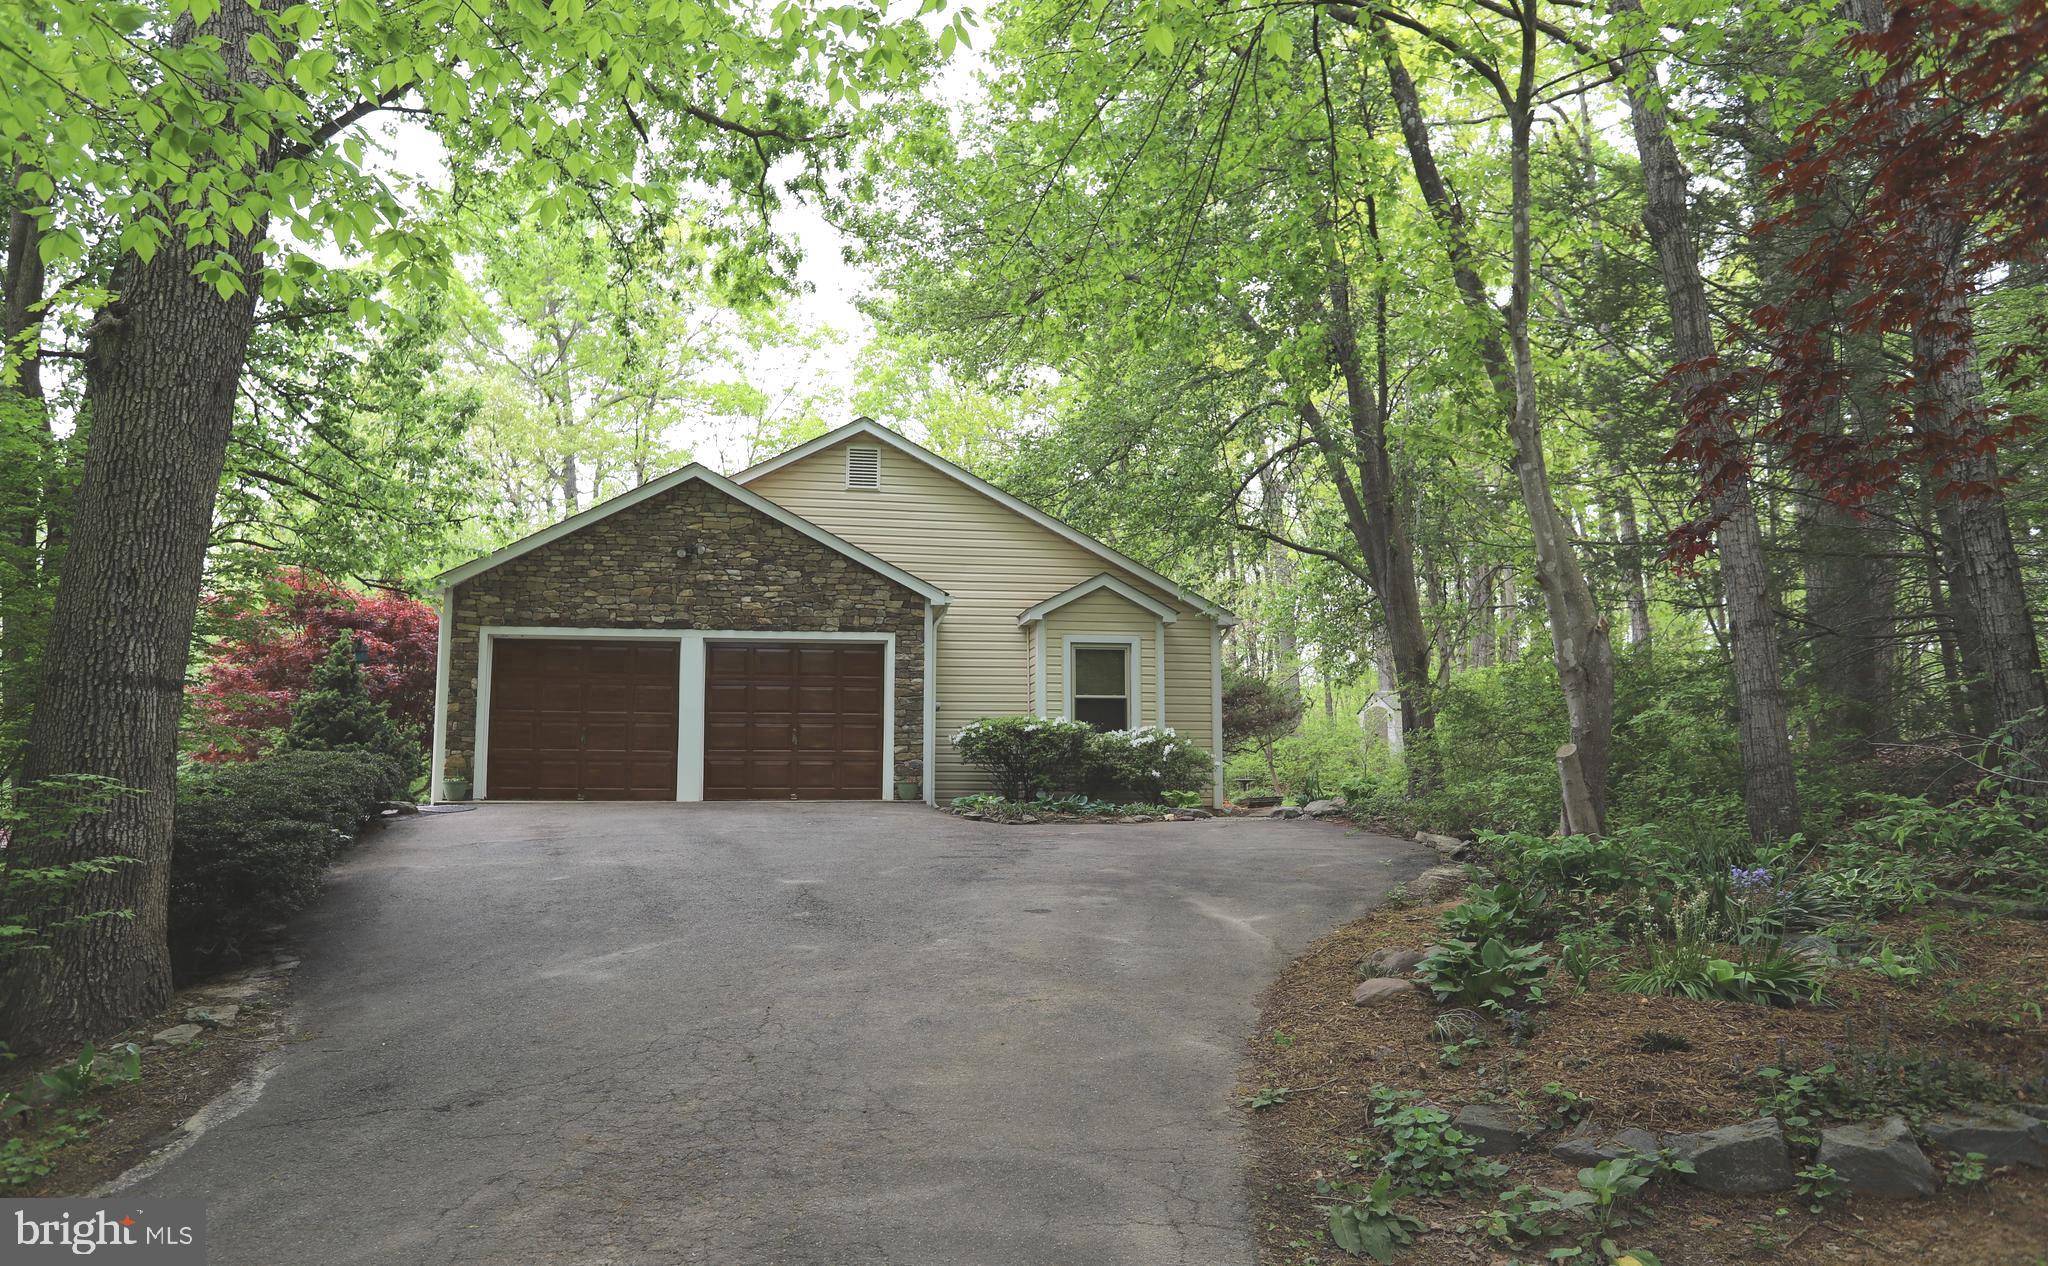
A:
(1095, 585)
(675, 479)
(874, 430)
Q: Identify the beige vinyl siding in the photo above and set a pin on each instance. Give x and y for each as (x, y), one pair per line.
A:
(1190, 693)
(995, 564)
(1097, 614)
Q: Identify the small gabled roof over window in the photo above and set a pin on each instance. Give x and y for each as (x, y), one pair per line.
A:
(1096, 585)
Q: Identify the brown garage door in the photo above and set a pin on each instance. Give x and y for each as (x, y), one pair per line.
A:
(792, 722)
(582, 720)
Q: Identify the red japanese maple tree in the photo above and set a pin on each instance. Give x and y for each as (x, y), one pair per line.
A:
(1939, 161)
(265, 659)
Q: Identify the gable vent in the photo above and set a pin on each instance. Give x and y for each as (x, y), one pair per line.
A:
(863, 467)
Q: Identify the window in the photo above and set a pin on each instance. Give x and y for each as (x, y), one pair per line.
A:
(863, 467)
(1100, 693)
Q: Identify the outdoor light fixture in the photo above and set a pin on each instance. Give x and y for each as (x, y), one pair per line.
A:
(695, 549)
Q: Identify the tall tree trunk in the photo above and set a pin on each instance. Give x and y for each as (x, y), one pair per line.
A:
(1954, 689)
(1769, 789)
(24, 409)
(1508, 647)
(1985, 583)
(1479, 605)
(164, 360)
(1580, 643)
(1976, 536)
(1280, 569)
(1629, 537)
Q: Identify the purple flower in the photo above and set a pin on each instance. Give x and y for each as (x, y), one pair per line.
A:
(1750, 879)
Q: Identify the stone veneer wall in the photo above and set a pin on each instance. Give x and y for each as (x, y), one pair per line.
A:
(622, 573)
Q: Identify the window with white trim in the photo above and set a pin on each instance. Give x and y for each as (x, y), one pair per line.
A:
(863, 467)
(1100, 692)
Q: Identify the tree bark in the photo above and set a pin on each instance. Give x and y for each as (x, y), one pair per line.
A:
(1769, 787)
(1580, 642)
(1976, 536)
(1629, 537)
(164, 359)
(1985, 583)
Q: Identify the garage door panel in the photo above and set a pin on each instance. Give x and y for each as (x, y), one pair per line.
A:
(812, 722)
(560, 694)
(576, 719)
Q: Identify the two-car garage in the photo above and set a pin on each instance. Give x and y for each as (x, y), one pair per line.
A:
(599, 719)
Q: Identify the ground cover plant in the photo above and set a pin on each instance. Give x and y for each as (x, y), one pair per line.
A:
(1671, 985)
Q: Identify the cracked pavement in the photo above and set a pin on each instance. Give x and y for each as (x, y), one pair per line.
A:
(863, 1035)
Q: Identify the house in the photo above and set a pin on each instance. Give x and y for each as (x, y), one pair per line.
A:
(817, 626)
(1381, 718)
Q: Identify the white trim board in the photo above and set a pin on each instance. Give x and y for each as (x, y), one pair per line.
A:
(675, 479)
(1164, 613)
(1216, 707)
(690, 645)
(445, 610)
(876, 431)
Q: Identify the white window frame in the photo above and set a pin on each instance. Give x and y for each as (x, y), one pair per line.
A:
(1131, 644)
(690, 644)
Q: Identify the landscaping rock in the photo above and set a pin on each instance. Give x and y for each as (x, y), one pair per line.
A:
(1379, 990)
(1323, 808)
(1286, 811)
(1393, 962)
(1437, 883)
(399, 806)
(1737, 1159)
(1494, 1130)
(1878, 1159)
(1818, 949)
(2004, 1137)
(1192, 815)
(178, 1035)
(1027, 820)
(1589, 1144)
(218, 1016)
(1450, 848)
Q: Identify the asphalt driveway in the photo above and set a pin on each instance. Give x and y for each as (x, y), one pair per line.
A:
(851, 1035)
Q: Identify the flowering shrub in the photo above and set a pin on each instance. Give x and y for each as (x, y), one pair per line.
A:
(1142, 765)
(1027, 757)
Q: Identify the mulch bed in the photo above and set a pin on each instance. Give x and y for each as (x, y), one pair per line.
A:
(1334, 1053)
(176, 1082)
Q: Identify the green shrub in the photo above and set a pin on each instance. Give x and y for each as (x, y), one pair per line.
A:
(1141, 766)
(1492, 973)
(1025, 756)
(1867, 1082)
(252, 840)
(336, 714)
(1689, 970)
(1033, 757)
(1507, 910)
(1421, 1146)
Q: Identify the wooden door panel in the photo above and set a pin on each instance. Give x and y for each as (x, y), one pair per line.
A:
(797, 722)
(582, 720)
